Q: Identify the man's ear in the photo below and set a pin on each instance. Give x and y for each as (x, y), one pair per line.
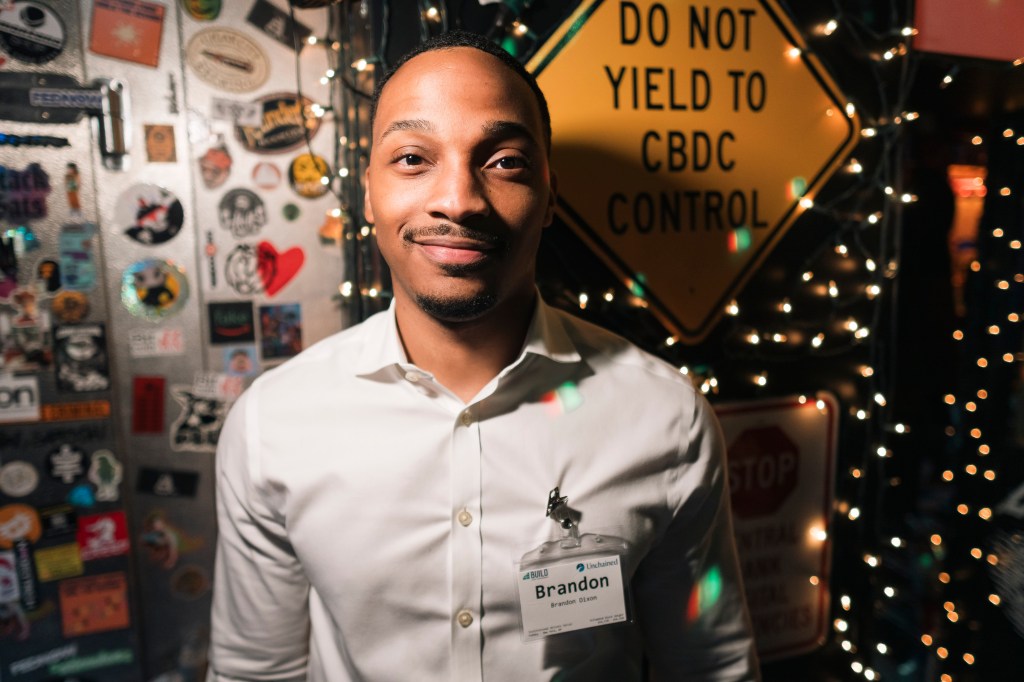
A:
(367, 204)
(552, 195)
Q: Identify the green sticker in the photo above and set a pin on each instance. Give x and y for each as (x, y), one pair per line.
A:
(202, 10)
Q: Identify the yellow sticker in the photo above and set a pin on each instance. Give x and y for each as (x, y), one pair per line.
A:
(57, 563)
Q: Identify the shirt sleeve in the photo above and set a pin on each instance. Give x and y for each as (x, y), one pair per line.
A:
(688, 589)
(260, 618)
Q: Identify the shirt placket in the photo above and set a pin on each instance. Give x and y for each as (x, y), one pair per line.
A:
(466, 548)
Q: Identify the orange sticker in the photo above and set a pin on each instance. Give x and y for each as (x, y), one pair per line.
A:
(94, 604)
(64, 412)
(17, 522)
(127, 29)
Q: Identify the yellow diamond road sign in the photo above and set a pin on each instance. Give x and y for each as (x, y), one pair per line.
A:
(685, 137)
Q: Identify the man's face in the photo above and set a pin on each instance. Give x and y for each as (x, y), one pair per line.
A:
(458, 184)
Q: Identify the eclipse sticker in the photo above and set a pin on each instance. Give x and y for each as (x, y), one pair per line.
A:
(227, 60)
(154, 289)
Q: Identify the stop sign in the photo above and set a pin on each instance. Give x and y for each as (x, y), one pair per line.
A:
(763, 471)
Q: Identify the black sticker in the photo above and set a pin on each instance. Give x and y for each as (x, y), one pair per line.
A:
(26, 570)
(58, 521)
(278, 25)
(149, 214)
(286, 123)
(232, 322)
(242, 212)
(48, 275)
(81, 358)
(199, 424)
(31, 32)
(167, 482)
(66, 463)
(23, 193)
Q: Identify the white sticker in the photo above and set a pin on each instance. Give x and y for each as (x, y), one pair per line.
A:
(19, 399)
(240, 113)
(217, 386)
(18, 478)
(149, 343)
(577, 594)
(8, 578)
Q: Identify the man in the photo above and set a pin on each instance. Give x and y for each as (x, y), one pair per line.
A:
(377, 492)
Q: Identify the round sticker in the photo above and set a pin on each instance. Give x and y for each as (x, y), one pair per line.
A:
(70, 307)
(17, 522)
(31, 31)
(242, 212)
(154, 289)
(227, 60)
(150, 214)
(215, 166)
(18, 478)
(290, 211)
(202, 10)
(306, 173)
(190, 582)
(266, 175)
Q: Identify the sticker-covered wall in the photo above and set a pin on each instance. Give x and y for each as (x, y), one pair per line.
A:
(167, 233)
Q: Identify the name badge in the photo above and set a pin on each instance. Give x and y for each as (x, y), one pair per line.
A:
(572, 583)
(572, 595)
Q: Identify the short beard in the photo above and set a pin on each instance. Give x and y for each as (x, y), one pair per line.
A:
(452, 309)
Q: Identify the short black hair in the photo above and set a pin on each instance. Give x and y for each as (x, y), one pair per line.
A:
(454, 39)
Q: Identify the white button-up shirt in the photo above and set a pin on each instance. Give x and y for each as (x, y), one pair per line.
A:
(370, 521)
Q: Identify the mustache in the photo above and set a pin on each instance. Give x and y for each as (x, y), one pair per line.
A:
(458, 231)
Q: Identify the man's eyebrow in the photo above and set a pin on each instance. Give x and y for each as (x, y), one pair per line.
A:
(407, 124)
(508, 129)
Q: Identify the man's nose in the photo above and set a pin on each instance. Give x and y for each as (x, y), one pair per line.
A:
(458, 194)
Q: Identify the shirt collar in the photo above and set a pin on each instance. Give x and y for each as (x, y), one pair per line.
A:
(546, 337)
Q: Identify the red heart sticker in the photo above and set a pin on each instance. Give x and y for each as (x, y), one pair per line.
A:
(277, 268)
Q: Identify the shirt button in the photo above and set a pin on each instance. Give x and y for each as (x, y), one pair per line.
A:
(466, 418)
(412, 376)
(465, 618)
(465, 518)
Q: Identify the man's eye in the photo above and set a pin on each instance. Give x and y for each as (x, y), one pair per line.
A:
(410, 160)
(511, 163)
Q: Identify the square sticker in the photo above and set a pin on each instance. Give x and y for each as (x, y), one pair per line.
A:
(231, 322)
(280, 330)
(127, 29)
(148, 398)
(94, 604)
(102, 535)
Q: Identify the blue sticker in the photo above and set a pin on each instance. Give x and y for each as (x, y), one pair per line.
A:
(76, 245)
(82, 496)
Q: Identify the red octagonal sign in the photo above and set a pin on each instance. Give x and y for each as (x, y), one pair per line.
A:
(764, 465)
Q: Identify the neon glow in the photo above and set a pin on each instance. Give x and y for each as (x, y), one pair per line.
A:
(740, 239)
(563, 399)
(704, 595)
(796, 187)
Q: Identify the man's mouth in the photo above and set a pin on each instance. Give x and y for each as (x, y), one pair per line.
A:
(452, 246)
